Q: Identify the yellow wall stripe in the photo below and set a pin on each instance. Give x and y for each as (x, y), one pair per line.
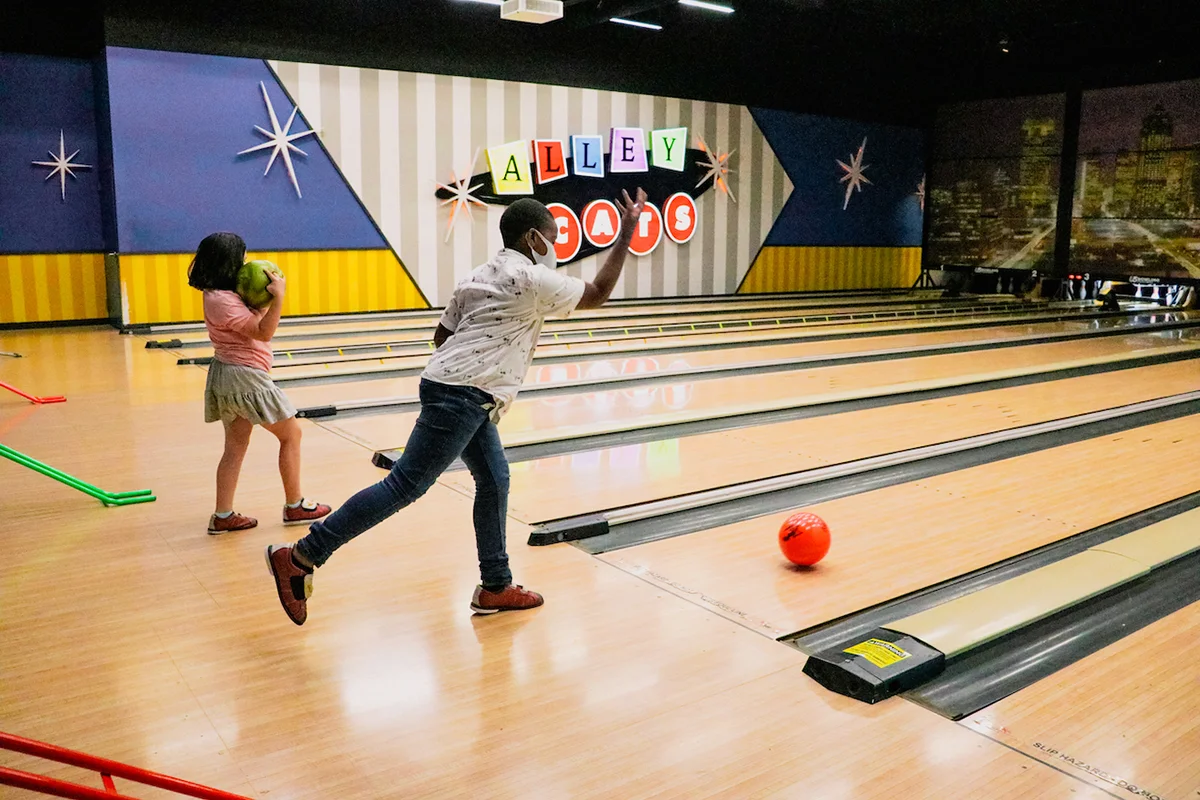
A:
(319, 282)
(810, 269)
(51, 287)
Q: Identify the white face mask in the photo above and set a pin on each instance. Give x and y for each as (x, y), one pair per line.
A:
(547, 259)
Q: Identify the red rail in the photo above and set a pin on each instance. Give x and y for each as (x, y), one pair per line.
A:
(54, 787)
(106, 768)
(33, 398)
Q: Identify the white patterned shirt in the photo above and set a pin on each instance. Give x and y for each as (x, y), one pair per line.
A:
(496, 315)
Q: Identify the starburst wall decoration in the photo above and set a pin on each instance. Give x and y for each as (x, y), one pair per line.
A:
(462, 195)
(717, 167)
(62, 165)
(279, 140)
(854, 177)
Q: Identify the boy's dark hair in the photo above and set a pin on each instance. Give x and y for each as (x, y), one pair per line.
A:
(522, 215)
(217, 262)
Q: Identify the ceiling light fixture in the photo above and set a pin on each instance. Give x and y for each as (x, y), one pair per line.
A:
(723, 9)
(633, 22)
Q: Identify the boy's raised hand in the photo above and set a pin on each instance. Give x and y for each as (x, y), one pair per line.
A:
(631, 211)
(600, 288)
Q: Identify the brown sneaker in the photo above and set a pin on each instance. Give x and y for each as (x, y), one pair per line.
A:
(307, 511)
(234, 522)
(292, 583)
(512, 598)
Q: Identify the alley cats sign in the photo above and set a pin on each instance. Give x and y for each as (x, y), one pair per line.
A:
(578, 180)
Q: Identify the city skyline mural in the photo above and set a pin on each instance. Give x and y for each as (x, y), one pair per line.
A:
(994, 183)
(1136, 209)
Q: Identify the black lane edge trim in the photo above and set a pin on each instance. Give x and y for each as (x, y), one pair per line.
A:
(681, 523)
(854, 625)
(569, 530)
(991, 672)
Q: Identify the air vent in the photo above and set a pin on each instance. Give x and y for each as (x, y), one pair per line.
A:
(536, 11)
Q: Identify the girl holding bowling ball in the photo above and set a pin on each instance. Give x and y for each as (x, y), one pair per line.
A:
(240, 393)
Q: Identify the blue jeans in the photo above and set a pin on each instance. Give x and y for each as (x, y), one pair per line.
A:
(453, 422)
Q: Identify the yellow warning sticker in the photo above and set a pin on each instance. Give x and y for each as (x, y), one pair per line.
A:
(878, 652)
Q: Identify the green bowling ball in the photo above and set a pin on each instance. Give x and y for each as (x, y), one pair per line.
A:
(252, 281)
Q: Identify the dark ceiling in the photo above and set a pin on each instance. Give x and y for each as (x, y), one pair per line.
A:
(884, 60)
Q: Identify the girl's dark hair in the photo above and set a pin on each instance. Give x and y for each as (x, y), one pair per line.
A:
(217, 261)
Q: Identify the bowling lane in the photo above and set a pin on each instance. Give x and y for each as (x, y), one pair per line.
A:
(1127, 712)
(896, 540)
(614, 308)
(365, 366)
(605, 328)
(603, 342)
(534, 418)
(582, 483)
(594, 369)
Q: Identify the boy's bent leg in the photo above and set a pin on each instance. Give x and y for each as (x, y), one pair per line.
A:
(484, 456)
(448, 421)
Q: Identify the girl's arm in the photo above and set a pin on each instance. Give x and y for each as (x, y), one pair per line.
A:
(270, 321)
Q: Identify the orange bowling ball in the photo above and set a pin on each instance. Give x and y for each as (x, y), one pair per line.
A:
(804, 539)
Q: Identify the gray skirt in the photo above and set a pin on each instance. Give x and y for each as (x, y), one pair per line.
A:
(235, 391)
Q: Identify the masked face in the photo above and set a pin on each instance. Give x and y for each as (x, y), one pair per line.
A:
(546, 257)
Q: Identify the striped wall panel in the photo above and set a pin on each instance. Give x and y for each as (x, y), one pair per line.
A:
(395, 134)
(802, 269)
(154, 288)
(51, 287)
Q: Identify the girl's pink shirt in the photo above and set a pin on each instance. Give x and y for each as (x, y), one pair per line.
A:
(231, 326)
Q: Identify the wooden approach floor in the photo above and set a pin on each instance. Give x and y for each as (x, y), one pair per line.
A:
(131, 634)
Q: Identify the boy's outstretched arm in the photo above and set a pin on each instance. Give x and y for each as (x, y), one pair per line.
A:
(596, 293)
